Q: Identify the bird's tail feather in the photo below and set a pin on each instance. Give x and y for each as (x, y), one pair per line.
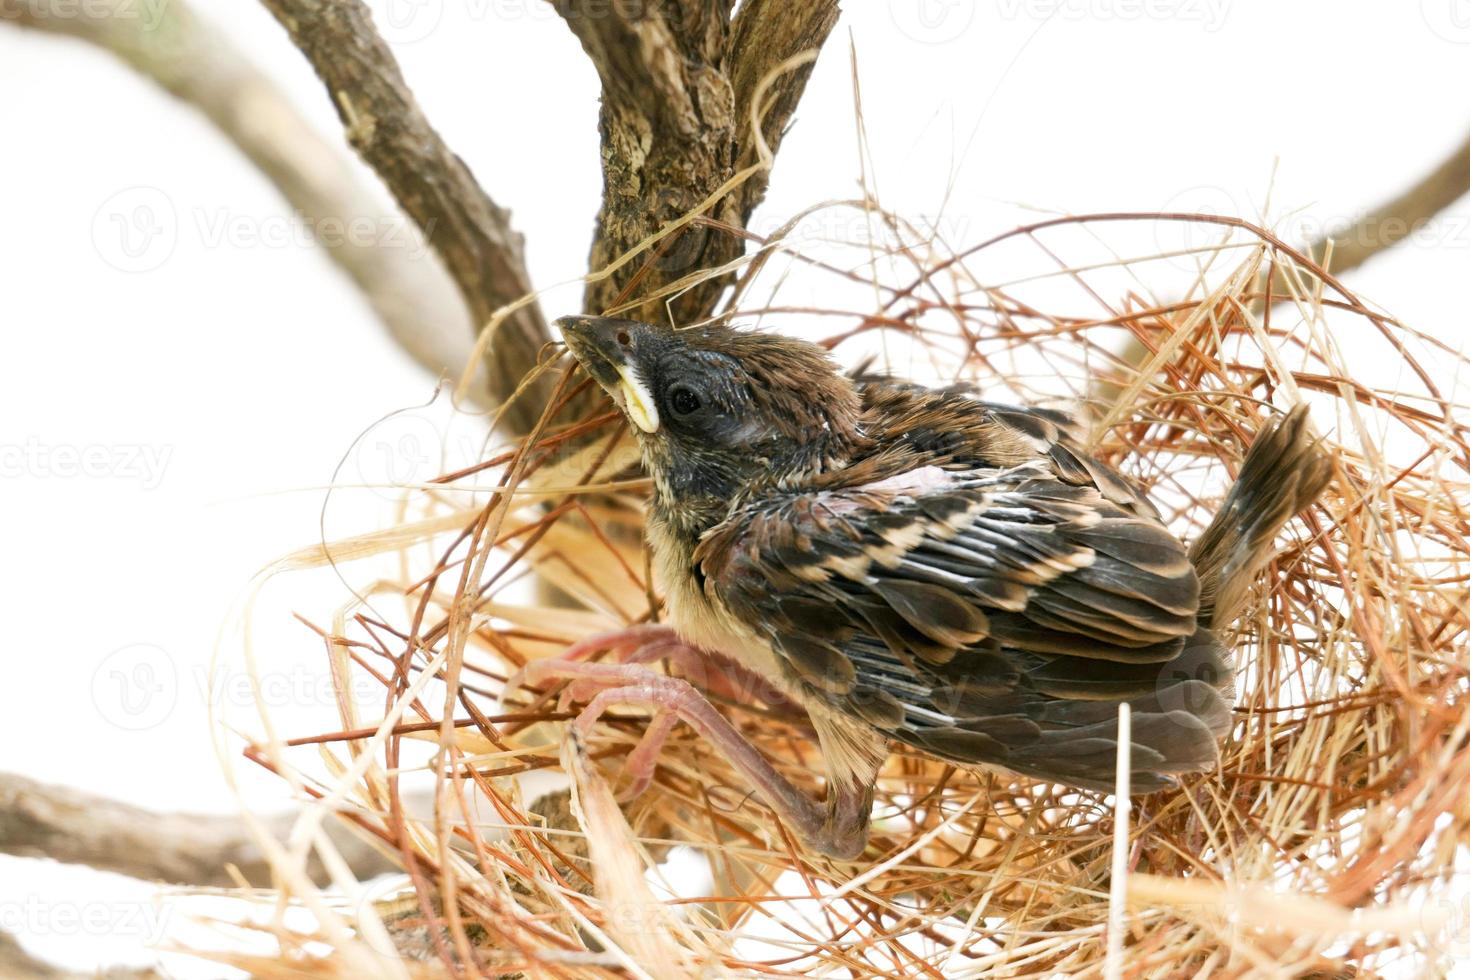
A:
(1177, 726)
(1283, 473)
(1181, 707)
(1180, 712)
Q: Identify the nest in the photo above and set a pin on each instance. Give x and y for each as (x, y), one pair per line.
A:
(1324, 844)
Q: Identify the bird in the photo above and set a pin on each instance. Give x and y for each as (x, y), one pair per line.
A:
(918, 565)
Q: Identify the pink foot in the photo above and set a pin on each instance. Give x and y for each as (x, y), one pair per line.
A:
(641, 763)
(838, 829)
(649, 643)
(584, 682)
(623, 644)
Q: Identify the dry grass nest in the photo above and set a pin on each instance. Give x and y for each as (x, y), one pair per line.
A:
(1324, 845)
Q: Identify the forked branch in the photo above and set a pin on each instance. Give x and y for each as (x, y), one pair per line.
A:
(679, 80)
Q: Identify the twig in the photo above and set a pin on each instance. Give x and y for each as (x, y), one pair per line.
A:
(68, 825)
(1387, 224)
(1377, 230)
(469, 231)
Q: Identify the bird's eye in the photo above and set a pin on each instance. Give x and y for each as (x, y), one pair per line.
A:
(684, 401)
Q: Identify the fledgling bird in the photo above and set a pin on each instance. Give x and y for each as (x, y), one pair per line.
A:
(918, 565)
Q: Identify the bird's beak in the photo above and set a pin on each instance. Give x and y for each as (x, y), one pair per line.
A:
(605, 348)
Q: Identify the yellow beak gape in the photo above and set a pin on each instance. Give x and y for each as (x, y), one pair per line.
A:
(638, 401)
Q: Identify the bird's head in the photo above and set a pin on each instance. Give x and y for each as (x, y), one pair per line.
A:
(720, 412)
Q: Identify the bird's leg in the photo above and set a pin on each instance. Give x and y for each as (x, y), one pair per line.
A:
(839, 829)
(717, 675)
(631, 645)
(624, 644)
(583, 679)
(647, 643)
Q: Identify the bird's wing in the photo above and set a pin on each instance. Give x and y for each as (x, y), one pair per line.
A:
(954, 423)
(985, 615)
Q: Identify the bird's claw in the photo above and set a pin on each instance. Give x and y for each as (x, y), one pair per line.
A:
(587, 681)
(628, 679)
(631, 645)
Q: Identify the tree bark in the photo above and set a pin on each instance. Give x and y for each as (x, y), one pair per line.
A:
(679, 80)
(68, 825)
(681, 83)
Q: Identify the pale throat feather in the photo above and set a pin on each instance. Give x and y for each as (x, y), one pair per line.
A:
(699, 619)
(852, 749)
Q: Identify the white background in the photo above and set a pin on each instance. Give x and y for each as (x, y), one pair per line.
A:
(248, 365)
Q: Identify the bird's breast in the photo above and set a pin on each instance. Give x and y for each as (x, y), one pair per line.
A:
(702, 620)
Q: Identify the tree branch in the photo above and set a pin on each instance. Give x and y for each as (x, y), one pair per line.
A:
(43, 821)
(469, 231)
(678, 79)
(766, 33)
(189, 58)
(1377, 230)
(1395, 219)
